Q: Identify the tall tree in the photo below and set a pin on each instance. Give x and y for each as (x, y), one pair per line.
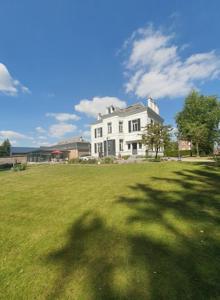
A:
(5, 148)
(156, 136)
(199, 120)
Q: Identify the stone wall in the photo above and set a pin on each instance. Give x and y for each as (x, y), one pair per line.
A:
(13, 159)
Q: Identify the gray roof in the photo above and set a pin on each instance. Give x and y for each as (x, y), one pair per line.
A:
(130, 110)
(22, 150)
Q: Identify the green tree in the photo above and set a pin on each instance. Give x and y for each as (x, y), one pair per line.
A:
(199, 120)
(5, 148)
(171, 148)
(156, 136)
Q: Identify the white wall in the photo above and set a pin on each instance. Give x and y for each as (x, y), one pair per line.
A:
(116, 135)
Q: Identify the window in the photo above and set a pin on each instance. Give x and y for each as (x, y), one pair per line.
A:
(99, 148)
(99, 132)
(129, 146)
(134, 125)
(120, 126)
(121, 145)
(140, 145)
(109, 127)
(95, 148)
(95, 131)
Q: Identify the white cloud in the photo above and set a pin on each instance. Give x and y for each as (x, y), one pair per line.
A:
(8, 85)
(98, 105)
(39, 129)
(63, 117)
(60, 129)
(42, 137)
(9, 134)
(38, 143)
(155, 67)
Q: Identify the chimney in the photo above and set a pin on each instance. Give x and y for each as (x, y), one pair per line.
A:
(151, 104)
(99, 116)
(112, 108)
(108, 110)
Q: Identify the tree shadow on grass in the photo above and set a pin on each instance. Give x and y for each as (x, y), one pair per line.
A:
(184, 253)
(170, 249)
(90, 258)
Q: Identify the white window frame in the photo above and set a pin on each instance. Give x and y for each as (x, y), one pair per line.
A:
(121, 145)
(120, 126)
(109, 127)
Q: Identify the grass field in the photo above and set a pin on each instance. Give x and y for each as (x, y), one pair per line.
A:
(142, 231)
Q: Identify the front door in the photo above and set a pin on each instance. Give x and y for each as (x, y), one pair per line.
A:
(109, 148)
(134, 148)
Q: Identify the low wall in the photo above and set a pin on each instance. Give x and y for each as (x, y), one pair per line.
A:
(13, 159)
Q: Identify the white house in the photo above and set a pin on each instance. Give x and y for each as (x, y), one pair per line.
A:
(119, 131)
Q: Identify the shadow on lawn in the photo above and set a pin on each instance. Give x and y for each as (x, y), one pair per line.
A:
(89, 253)
(172, 252)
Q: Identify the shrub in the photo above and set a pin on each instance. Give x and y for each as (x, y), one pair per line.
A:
(82, 161)
(5, 166)
(89, 161)
(125, 157)
(19, 167)
(176, 153)
(74, 161)
(217, 160)
(202, 153)
(108, 160)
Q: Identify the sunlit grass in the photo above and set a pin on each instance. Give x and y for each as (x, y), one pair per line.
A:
(148, 231)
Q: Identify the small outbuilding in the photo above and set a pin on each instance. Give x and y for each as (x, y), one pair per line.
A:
(63, 151)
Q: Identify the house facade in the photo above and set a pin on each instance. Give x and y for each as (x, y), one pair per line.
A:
(119, 131)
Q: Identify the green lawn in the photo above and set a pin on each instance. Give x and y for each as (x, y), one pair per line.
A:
(142, 231)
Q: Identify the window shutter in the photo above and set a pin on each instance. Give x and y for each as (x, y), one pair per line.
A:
(95, 148)
(139, 124)
(129, 126)
(95, 134)
(101, 132)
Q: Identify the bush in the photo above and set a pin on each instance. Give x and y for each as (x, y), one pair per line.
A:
(108, 160)
(217, 160)
(74, 161)
(5, 166)
(82, 161)
(19, 167)
(176, 153)
(125, 157)
(89, 161)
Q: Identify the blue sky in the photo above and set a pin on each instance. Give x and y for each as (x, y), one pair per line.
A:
(62, 61)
